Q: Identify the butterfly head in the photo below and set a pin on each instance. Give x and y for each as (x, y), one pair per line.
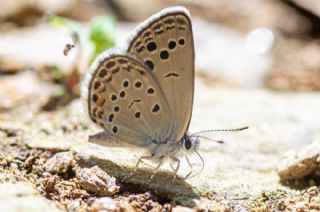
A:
(190, 143)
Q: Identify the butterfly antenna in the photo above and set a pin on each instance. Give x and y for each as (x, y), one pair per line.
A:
(220, 130)
(210, 139)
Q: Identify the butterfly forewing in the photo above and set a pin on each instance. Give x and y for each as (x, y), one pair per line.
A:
(165, 44)
(125, 99)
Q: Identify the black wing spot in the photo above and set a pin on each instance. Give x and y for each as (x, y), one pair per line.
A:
(172, 45)
(156, 108)
(111, 117)
(150, 64)
(150, 91)
(103, 73)
(96, 85)
(164, 54)
(113, 97)
(137, 115)
(116, 109)
(122, 94)
(115, 129)
(171, 74)
(126, 84)
(138, 84)
(95, 97)
(152, 46)
(181, 41)
(110, 64)
(133, 101)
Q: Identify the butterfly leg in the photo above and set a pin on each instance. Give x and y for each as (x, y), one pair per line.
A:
(155, 170)
(171, 166)
(146, 164)
(191, 171)
(175, 159)
(140, 161)
(136, 167)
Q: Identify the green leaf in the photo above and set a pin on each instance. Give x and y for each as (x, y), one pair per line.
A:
(101, 30)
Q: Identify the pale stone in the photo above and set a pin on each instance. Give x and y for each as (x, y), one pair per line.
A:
(23, 197)
(299, 164)
(97, 181)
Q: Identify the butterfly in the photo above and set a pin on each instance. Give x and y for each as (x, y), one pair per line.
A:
(142, 94)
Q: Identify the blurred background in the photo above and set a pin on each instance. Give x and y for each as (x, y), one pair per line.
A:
(265, 44)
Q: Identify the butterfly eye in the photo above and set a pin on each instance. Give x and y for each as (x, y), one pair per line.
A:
(187, 144)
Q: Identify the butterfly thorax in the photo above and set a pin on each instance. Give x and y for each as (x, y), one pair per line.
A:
(173, 149)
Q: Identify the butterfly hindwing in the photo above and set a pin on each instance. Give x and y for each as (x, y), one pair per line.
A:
(125, 100)
(164, 43)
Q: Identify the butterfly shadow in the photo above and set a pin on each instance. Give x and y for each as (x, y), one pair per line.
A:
(163, 185)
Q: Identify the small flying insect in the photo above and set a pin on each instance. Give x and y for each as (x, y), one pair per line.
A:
(67, 49)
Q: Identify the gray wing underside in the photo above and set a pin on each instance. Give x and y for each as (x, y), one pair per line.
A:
(171, 77)
(125, 100)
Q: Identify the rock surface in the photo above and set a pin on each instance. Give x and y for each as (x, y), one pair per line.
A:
(303, 162)
(235, 173)
(249, 156)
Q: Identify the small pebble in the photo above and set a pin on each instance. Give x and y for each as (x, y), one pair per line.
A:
(103, 204)
(97, 181)
(60, 163)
